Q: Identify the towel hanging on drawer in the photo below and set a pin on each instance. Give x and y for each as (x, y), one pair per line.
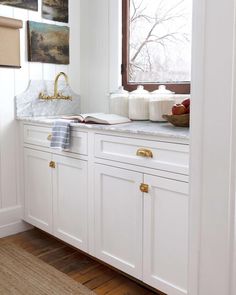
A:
(61, 134)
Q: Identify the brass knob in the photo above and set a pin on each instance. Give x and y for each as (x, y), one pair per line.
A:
(52, 164)
(144, 188)
(144, 153)
(49, 137)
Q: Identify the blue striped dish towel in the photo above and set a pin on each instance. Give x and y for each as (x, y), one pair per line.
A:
(61, 135)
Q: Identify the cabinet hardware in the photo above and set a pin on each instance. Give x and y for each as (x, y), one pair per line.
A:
(49, 137)
(144, 153)
(144, 188)
(52, 164)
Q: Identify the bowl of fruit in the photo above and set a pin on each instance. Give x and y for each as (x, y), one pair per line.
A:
(180, 114)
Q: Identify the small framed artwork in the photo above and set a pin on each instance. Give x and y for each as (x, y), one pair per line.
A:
(27, 4)
(56, 10)
(48, 43)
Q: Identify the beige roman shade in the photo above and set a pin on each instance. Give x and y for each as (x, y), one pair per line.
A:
(10, 42)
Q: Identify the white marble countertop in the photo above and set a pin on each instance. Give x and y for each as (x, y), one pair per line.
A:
(135, 127)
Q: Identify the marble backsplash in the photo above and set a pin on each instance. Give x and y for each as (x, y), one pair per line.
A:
(28, 104)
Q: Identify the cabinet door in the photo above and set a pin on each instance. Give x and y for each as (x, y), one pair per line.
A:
(166, 235)
(38, 189)
(70, 201)
(118, 218)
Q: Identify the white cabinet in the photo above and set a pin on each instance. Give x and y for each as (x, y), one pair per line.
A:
(56, 196)
(40, 136)
(127, 219)
(166, 235)
(165, 156)
(126, 197)
(70, 201)
(118, 218)
(38, 189)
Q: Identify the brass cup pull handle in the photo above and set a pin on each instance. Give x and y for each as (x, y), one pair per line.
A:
(52, 164)
(144, 153)
(144, 188)
(49, 137)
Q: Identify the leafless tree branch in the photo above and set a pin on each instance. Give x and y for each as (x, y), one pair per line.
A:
(160, 17)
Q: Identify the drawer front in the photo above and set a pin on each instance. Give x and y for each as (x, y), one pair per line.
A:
(37, 135)
(164, 155)
(40, 136)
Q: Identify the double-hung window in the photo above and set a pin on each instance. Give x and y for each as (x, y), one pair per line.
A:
(156, 44)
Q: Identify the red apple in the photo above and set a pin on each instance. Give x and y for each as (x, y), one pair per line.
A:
(186, 102)
(178, 109)
(188, 110)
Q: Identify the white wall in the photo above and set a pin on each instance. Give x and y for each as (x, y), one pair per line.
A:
(213, 138)
(101, 51)
(13, 82)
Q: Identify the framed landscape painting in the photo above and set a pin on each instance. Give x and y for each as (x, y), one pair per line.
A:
(27, 4)
(48, 43)
(56, 10)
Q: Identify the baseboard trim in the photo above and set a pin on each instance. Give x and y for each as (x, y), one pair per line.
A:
(14, 228)
(11, 221)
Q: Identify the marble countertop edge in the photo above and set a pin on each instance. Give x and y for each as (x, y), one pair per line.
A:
(165, 130)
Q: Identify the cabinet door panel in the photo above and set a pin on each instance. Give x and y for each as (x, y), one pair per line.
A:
(118, 218)
(38, 189)
(166, 235)
(70, 201)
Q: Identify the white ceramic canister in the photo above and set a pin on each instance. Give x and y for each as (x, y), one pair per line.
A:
(139, 104)
(119, 102)
(161, 103)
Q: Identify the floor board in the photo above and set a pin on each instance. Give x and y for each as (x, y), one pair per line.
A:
(87, 271)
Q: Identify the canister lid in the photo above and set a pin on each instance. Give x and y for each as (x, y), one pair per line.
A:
(162, 90)
(140, 90)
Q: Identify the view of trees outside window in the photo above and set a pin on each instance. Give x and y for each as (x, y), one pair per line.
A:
(160, 40)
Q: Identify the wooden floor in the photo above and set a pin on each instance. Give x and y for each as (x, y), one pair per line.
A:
(80, 267)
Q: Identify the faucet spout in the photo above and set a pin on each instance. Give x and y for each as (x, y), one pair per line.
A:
(56, 94)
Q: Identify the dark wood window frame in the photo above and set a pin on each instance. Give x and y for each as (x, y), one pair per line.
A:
(179, 88)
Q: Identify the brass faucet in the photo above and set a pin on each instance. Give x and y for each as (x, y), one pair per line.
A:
(56, 95)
